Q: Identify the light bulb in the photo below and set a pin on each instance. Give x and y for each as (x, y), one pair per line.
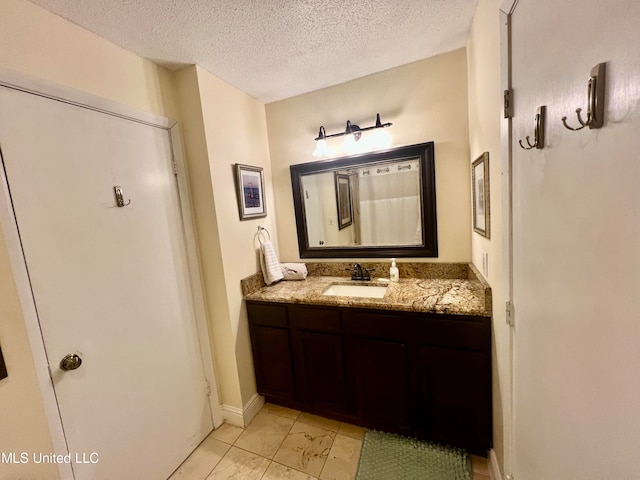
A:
(349, 143)
(321, 148)
(381, 139)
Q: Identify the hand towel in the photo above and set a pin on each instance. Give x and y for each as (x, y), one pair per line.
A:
(294, 271)
(269, 262)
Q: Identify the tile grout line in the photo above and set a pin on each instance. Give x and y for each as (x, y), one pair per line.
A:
(330, 450)
(194, 451)
(271, 460)
(280, 445)
(286, 435)
(266, 470)
(218, 462)
(297, 419)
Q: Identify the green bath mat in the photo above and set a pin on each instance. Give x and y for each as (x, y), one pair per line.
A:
(386, 456)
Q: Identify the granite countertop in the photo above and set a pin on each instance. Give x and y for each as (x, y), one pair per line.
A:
(461, 296)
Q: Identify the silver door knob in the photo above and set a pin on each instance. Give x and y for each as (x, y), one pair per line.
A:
(70, 362)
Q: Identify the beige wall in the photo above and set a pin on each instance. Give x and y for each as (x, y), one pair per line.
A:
(206, 225)
(38, 43)
(236, 132)
(425, 100)
(483, 61)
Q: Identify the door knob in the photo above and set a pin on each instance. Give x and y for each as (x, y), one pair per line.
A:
(70, 362)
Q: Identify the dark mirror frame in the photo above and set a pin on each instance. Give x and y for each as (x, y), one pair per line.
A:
(429, 247)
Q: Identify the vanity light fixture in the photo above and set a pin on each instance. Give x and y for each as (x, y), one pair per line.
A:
(352, 134)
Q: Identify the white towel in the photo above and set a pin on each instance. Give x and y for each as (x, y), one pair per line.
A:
(294, 271)
(269, 262)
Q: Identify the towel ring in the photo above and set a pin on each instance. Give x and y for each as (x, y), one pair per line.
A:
(260, 232)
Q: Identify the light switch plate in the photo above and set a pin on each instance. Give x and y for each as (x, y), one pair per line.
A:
(485, 264)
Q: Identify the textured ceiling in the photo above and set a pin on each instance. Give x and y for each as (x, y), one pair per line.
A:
(275, 49)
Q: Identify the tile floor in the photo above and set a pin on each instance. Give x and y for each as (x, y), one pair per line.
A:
(284, 444)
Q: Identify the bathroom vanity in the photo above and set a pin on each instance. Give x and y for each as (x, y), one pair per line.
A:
(416, 361)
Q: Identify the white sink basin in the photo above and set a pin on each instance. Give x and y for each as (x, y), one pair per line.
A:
(364, 291)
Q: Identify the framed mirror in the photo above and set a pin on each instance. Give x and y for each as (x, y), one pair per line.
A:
(380, 204)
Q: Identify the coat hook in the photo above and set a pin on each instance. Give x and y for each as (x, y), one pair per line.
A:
(538, 131)
(119, 197)
(595, 101)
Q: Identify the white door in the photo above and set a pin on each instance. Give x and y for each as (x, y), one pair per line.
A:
(576, 227)
(110, 284)
(313, 210)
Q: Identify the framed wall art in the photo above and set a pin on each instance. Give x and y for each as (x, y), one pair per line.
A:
(250, 191)
(481, 200)
(343, 200)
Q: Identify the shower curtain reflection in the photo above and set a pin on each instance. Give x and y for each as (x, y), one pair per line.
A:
(389, 206)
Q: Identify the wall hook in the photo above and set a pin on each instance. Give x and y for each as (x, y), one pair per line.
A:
(538, 130)
(595, 101)
(119, 197)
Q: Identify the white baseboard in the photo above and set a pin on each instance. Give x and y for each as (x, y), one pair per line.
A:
(252, 407)
(494, 469)
(241, 417)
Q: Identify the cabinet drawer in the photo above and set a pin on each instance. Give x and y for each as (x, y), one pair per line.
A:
(376, 325)
(448, 332)
(315, 319)
(267, 315)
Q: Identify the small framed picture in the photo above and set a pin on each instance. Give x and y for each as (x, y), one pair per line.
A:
(343, 200)
(481, 205)
(250, 192)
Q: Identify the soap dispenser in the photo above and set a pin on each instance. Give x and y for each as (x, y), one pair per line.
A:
(394, 275)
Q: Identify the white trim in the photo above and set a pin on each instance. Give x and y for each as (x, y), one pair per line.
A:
(195, 275)
(253, 406)
(506, 149)
(44, 88)
(233, 415)
(508, 6)
(241, 417)
(494, 468)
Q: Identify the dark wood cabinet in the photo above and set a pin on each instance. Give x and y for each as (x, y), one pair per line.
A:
(427, 375)
(379, 368)
(319, 355)
(452, 382)
(321, 374)
(272, 355)
(452, 391)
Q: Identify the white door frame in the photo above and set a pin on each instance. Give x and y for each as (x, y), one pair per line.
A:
(44, 88)
(506, 9)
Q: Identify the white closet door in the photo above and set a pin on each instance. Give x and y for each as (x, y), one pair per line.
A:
(110, 284)
(576, 225)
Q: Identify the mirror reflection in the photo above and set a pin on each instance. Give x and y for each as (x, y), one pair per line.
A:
(370, 205)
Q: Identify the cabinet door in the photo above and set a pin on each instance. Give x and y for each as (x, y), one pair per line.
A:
(381, 372)
(378, 360)
(453, 396)
(319, 357)
(322, 371)
(273, 366)
(272, 356)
